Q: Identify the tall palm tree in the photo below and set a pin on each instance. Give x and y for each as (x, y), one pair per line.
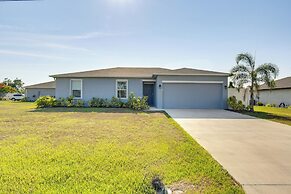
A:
(245, 72)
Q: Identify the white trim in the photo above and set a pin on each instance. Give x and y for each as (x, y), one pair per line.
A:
(121, 80)
(192, 82)
(81, 88)
(149, 80)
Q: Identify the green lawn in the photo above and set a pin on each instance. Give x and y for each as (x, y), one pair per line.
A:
(88, 150)
(280, 115)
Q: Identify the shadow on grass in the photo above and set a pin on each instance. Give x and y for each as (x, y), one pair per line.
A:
(85, 110)
(90, 110)
(270, 116)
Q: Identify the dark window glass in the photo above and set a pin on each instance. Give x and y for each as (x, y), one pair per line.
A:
(121, 94)
(77, 93)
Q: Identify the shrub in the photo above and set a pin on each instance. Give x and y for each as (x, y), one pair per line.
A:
(79, 103)
(104, 103)
(95, 102)
(137, 103)
(231, 101)
(236, 105)
(270, 105)
(116, 102)
(240, 106)
(70, 101)
(260, 104)
(62, 102)
(45, 101)
(248, 108)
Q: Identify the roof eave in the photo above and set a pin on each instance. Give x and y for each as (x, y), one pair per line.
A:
(198, 74)
(265, 89)
(37, 88)
(58, 76)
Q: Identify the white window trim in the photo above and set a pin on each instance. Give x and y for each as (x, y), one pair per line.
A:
(116, 91)
(81, 87)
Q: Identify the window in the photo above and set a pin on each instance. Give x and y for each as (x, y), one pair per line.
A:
(76, 88)
(121, 89)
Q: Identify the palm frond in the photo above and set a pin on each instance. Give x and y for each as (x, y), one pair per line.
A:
(240, 68)
(240, 79)
(247, 59)
(267, 73)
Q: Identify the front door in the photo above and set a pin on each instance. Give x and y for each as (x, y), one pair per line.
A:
(148, 90)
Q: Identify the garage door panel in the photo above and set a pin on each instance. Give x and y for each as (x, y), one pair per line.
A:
(192, 95)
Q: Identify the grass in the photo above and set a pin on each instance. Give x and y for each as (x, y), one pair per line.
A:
(280, 115)
(77, 150)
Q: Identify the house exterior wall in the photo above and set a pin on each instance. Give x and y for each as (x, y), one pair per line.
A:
(275, 96)
(243, 94)
(97, 87)
(106, 87)
(161, 78)
(33, 93)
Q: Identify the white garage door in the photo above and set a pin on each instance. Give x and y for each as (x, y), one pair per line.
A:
(193, 95)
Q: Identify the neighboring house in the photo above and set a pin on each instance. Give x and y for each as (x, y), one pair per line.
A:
(280, 94)
(243, 94)
(165, 88)
(33, 92)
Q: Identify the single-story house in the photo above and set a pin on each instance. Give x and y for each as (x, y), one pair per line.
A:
(165, 88)
(33, 92)
(281, 93)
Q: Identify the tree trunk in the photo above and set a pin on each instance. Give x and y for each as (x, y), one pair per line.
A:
(252, 102)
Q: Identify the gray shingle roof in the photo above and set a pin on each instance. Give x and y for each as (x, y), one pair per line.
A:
(137, 72)
(45, 85)
(280, 84)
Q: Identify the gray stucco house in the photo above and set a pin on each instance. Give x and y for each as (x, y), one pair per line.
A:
(165, 88)
(33, 92)
(281, 93)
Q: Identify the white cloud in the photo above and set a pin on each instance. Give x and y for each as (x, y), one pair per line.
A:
(28, 54)
(88, 35)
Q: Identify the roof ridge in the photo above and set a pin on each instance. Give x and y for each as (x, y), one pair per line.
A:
(137, 72)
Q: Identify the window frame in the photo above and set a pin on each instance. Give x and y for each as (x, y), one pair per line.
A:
(116, 88)
(71, 92)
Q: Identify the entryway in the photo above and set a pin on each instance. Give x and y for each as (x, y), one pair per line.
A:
(149, 91)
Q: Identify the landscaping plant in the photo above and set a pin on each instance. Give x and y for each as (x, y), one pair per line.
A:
(245, 72)
(135, 103)
(236, 105)
(45, 101)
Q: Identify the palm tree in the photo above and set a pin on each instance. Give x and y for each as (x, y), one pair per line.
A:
(245, 72)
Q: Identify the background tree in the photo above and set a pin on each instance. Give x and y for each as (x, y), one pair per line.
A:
(4, 89)
(246, 73)
(17, 84)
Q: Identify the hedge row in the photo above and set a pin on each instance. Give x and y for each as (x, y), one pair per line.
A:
(133, 102)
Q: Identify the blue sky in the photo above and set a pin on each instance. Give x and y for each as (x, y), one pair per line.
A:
(45, 37)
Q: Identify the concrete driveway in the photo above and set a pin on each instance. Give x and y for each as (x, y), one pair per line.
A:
(256, 152)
